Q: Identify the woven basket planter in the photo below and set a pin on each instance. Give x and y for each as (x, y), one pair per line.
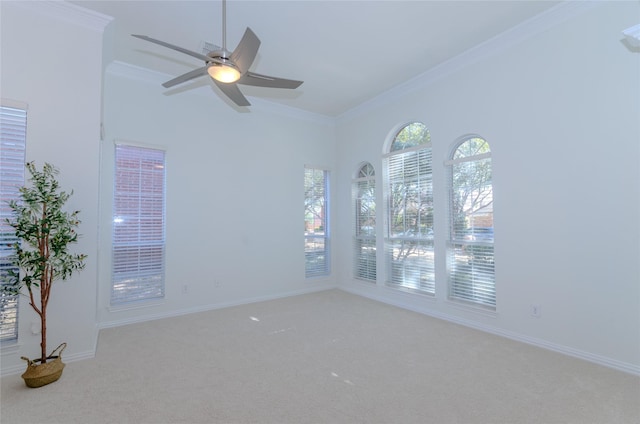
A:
(38, 374)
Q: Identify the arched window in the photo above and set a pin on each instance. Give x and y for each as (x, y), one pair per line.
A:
(470, 264)
(364, 197)
(409, 226)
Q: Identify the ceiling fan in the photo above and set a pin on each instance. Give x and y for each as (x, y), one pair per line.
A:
(227, 69)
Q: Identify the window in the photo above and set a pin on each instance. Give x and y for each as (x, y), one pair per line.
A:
(13, 130)
(316, 222)
(138, 225)
(364, 195)
(409, 194)
(470, 264)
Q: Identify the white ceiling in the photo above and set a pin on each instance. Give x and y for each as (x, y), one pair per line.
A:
(346, 52)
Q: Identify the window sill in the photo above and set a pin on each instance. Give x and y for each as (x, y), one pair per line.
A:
(472, 308)
(397, 288)
(142, 304)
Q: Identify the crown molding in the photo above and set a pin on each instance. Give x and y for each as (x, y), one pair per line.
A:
(292, 112)
(126, 70)
(65, 11)
(138, 73)
(509, 38)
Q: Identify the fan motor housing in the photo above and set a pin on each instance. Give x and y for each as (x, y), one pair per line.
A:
(221, 55)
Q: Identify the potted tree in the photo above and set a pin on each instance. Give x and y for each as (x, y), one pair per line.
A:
(42, 256)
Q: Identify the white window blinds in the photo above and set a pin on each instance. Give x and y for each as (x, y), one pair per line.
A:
(138, 224)
(13, 129)
(364, 195)
(470, 260)
(316, 222)
(409, 237)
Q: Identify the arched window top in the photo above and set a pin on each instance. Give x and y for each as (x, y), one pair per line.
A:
(411, 135)
(366, 171)
(471, 148)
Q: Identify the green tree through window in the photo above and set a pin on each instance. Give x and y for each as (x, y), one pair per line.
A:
(409, 246)
(471, 268)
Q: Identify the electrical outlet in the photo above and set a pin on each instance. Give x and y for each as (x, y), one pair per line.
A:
(535, 311)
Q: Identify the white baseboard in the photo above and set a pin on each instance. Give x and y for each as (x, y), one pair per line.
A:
(19, 369)
(587, 356)
(566, 350)
(211, 307)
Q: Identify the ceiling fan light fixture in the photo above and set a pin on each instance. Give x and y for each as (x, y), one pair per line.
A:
(223, 72)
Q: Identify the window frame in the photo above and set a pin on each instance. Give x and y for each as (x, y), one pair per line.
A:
(470, 249)
(138, 256)
(410, 254)
(317, 261)
(12, 163)
(364, 236)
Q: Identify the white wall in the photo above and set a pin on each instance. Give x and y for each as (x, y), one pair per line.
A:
(234, 179)
(46, 62)
(234, 193)
(561, 112)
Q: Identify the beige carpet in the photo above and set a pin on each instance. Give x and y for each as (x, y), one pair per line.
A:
(328, 357)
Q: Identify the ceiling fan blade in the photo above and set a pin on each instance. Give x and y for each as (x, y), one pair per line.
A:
(258, 80)
(246, 51)
(176, 48)
(186, 77)
(233, 92)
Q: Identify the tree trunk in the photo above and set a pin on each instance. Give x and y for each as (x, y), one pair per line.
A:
(43, 333)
